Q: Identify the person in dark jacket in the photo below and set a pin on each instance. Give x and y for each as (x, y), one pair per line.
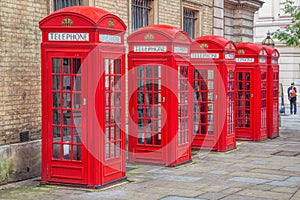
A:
(292, 95)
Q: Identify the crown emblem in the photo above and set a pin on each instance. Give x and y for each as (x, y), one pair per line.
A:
(67, 21)
(111, 24)
(241, 51)
(149, 36)
(181, 38)
(204, 46)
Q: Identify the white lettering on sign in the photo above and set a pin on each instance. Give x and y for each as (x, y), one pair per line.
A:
(274, 61)
(110, 38)
(247, 60)
(262, 60)
(229, 56)
(180, 50)
(150, 49)
(204, 55)
(77, 37)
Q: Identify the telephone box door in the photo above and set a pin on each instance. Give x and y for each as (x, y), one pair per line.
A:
(244, 104)
(147, 111)
(114, 141)
(66, 125)
(204, 103)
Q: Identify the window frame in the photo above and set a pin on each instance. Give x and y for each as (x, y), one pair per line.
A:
(152, 15)
(83, 3)
(197, 8)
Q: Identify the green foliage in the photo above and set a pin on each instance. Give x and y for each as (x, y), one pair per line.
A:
(290, 35)
(6, 168)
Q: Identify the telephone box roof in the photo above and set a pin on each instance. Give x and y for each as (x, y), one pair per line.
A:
(90, 14)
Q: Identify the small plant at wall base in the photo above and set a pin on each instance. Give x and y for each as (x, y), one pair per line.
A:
(290, 34)
(6, 168)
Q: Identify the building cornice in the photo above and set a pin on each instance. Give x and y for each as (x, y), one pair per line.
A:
(250, 5)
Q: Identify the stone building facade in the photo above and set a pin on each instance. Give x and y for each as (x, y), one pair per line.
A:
(270, 18)
(233, 19)
(20, 70)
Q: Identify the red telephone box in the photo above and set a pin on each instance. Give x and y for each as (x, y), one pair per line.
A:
(272, 92)
(214, 69)
(159, 99)
(251, 92)
(83, 142)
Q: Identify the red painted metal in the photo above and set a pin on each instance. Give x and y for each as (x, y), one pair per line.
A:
(214, 69)
(251, 92)
(83, 115)
(159, 96)
(272, 92)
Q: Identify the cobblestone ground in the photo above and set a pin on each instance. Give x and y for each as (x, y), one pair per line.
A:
(254, 171)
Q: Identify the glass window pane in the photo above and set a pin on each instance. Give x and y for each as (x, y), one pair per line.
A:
(66, 100)
(112, 67)
(56, 65)
(210, 85)
(118, 98)
(149, 71)
(56, 82)
(210, 74)
(66, 66)
(118, 133)
(141, 138)
(56, 116)
(77, 83)
(210, 96)
(107, 150)
(77, 118)
(76, 101)
(66, 151)
(112, 150)
(118, 82)
(118, 115)
(77, 152)
(56, 99)
(67, 117)
(67, 83)
(77, 135)
(118, 66)
(56, 151)
(56, 134)
(148, 138)
(76, 66)
(67, 135)
(106, 66)
(118, 149)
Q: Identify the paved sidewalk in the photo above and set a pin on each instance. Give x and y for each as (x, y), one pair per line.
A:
(254, 171)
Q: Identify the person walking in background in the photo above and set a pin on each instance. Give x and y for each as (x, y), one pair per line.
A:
(292, 95)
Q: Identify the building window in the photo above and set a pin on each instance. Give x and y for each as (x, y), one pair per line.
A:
(59, 4)
(189, 21)
(142, 13)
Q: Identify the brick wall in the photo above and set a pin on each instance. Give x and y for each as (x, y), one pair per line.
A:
(117, 7)
(20, 101)
(207, 17)
(170, 12)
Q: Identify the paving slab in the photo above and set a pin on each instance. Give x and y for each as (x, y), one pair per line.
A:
(290, 190)
(251, 172)
(241, 197)
(265, 194)
(231, 190)
(260, 175)
(179, 198)
(250, 180)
